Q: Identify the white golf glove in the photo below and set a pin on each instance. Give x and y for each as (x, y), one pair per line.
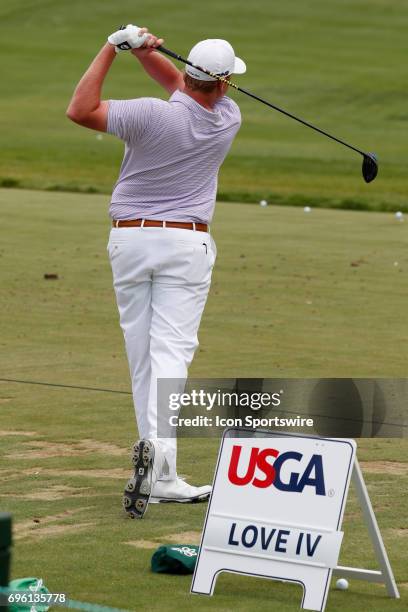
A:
(128, 37)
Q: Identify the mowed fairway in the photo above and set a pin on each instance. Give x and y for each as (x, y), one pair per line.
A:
(285, 301)
(293, 294)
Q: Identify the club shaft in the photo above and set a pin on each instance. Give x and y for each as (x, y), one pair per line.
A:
(255, 97)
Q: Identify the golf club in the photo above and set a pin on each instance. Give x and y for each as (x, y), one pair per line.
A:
(370, 165)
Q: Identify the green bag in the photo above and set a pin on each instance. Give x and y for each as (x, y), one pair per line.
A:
(176, 559)
(24, 584)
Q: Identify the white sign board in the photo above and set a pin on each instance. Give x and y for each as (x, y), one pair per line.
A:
(276, 511)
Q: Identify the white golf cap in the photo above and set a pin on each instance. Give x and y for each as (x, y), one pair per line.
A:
(215, 55)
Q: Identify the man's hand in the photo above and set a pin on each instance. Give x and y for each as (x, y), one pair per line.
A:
(130, 37)
(149, 45)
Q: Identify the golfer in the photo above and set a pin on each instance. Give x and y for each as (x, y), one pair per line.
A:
(160, 248)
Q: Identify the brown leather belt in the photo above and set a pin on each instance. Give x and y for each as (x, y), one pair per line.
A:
(198, 227)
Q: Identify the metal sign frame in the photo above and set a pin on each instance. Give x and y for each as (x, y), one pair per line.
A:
(385, 575)
(382, 576)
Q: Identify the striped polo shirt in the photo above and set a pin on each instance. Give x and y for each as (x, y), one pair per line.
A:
(173, 151)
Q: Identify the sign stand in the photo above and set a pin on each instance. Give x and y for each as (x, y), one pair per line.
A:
(385, 575)
(276, 512)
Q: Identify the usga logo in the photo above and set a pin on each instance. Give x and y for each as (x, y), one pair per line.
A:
(312, 475)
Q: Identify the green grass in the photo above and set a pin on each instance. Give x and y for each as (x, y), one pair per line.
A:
(285, 302)
(285, 298)
(331, 63)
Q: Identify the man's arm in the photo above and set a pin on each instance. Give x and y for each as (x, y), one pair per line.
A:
(86, 107)
(159, 67)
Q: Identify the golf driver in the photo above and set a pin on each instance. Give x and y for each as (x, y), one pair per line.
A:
(370, 165)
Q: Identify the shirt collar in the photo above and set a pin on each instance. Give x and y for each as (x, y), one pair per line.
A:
(195, 107)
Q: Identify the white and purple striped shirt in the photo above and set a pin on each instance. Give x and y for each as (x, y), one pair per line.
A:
(173, 151)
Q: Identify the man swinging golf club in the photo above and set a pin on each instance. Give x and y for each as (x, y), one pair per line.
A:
(160, 249)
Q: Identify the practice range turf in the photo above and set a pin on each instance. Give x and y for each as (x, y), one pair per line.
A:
(294, 294)
(307, 295)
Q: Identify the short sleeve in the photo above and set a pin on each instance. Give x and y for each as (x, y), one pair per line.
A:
(230, 109)
(129, 119)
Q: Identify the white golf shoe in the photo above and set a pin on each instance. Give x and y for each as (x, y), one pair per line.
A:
(179, 491)
(148, 461)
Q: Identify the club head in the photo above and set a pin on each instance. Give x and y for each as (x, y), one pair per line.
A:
(370, 167)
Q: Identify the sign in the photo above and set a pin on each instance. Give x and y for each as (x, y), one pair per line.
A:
(276, 511)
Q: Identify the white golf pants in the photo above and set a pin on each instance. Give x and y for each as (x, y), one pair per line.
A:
(161, 278)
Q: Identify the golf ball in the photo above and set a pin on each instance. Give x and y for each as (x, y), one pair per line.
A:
(99, 137)
(307, 209)
(399, 215)
(263, 203)
(342, 584)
